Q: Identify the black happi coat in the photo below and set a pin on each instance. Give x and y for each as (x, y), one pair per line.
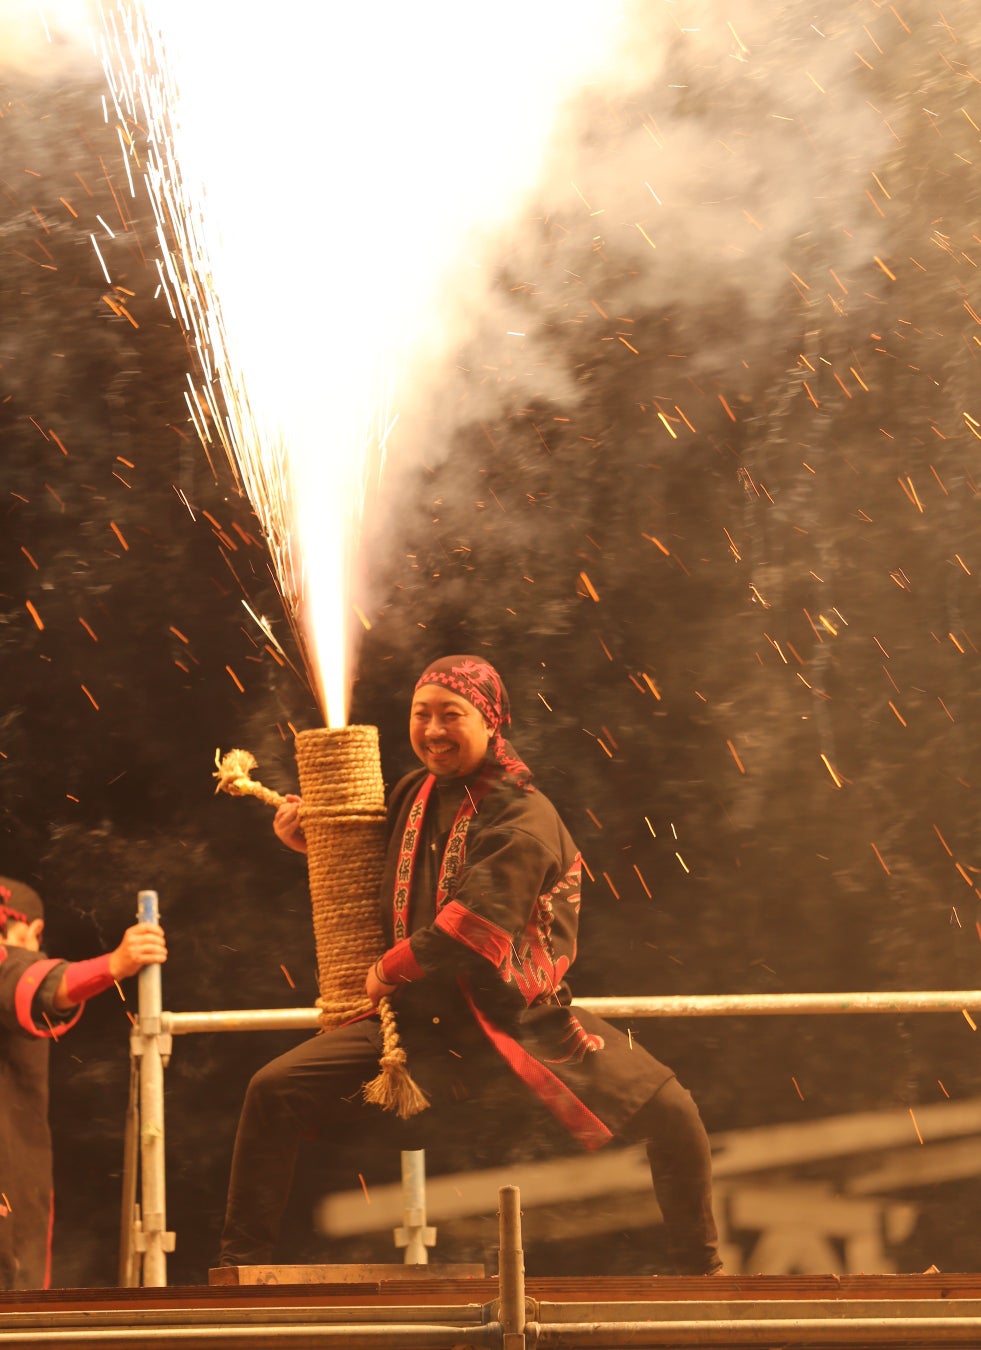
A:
(481, 899)
(28, 981)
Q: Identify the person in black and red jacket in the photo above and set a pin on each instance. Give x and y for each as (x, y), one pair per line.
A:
(480, 900)
(40, 998)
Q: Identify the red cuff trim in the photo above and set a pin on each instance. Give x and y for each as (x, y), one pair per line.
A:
(480, 935)
(399, 964)
(85, 979)
(27, 986)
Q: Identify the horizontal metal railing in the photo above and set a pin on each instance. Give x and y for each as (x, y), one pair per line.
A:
(146, 1236)
(668, 1005)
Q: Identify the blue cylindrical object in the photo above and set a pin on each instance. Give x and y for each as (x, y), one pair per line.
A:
(147, 907)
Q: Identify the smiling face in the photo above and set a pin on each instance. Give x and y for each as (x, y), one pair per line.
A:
(448, 734)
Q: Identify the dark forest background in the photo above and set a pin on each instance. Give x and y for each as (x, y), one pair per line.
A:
(718, 528)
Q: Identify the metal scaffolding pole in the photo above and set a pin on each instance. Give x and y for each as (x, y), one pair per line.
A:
(511, 1269)
(415, 1235)
(153, 1050)
(671, 1005)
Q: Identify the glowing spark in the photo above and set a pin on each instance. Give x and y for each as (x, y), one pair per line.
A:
(88, 630)
(582, 198)
(834, 777)
(882, 862)
(35, 615)
(105, 270)
(797, 1088)
(735, 755)
(289, 977)
(891, 275)
(640, 878)
(742, 46)
(657, 543)
(915, 1126)
(119, 535)
(969, 1019)
(651, 685)
(616, 893)
(235, 680)
(590, 590)
(88, 694)
(545, 701)
(943, 842)
(647, 236)
(668, 427)
(261, 623)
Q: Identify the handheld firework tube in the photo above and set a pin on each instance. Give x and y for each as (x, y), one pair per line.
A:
(343, 819)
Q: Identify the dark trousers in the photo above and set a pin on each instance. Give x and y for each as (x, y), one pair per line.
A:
(315, 1088)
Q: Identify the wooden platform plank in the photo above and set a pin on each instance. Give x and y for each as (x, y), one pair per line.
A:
(433, 1289)
(341, 1274)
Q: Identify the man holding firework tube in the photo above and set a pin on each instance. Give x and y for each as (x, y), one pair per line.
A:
(480, 905)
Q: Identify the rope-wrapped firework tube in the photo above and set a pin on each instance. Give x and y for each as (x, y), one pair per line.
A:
(343, 819)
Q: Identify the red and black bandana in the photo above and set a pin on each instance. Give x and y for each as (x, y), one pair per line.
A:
(479, 683)
(18, 903)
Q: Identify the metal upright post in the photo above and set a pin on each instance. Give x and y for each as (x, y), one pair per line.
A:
(414, 1235)
(511, 1269)
(155, 1051)
(129, 1256)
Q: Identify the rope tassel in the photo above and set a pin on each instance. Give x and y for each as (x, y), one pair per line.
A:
(343, 819)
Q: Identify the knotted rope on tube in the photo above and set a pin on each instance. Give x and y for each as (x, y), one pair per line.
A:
(343, 818)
